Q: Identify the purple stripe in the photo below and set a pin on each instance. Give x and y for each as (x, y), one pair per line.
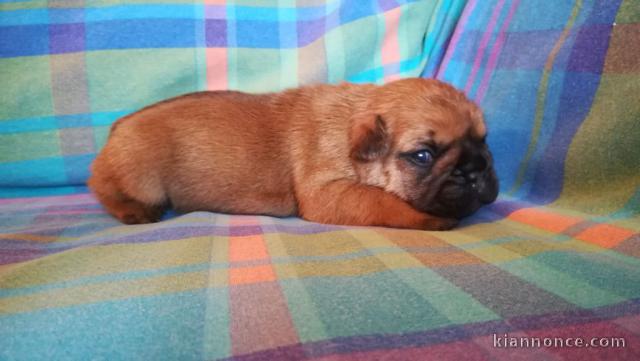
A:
(580, 85)
(215, 11)
(15, 256)
(445, 335)
(495, 52)
(484, 42)
(84, 198)
(66, 38)
(92, 224)
(215, 33)
(73, 207)
(17, 250)
(386, 5)
(309, 31)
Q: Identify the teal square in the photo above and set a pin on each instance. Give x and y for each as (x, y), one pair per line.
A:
(15, 147)
(380, 303)
(577, 290)
(415, 18)
(255, 70)
(362, 49)
(26, 88)
(613, 273)
(131, 79)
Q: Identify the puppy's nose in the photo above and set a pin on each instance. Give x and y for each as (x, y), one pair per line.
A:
(487, 187)
(484, 184)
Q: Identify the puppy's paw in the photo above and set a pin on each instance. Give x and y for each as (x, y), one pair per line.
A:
(136, 213)
(439, 224)
(133, 218)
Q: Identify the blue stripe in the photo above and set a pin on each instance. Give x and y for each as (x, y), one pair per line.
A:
(46, 171)
(355, 9)
(121, 12)
(26, 32)
(350, 9)
(117, 34)
(376, 74)
(147, 33)
(24, 40)
(77, 167)
(41, 124)
(132, 12)
(36, 172)
(52, 171)
(24, 17)
(21, 192)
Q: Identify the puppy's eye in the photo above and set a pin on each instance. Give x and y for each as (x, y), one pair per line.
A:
(422, 157)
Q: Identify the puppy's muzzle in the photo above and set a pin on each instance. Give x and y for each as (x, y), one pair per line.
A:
(480, 177)
(472, 184)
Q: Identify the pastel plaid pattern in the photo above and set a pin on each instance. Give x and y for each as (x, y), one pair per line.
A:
(71, 69)
(76, 284)
(556, 256)
(561, 96)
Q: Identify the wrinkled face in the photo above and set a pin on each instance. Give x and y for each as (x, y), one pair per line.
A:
(425, 142)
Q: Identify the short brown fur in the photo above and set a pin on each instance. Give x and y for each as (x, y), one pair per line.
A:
(327, 153)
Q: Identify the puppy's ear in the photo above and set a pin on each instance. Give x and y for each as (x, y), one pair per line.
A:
(369, 138)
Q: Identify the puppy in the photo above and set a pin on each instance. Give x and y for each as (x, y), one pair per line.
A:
(408, 154)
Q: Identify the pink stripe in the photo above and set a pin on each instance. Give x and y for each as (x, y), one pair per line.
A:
(216, 68)
(215, 12)
(497, 49)
(483, 45)
(455, 39)
(449, 351)
(390, 51)
(74, 211)
(238, 220)
(392, 77)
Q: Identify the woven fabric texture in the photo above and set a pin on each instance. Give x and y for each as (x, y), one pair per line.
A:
(555, 258)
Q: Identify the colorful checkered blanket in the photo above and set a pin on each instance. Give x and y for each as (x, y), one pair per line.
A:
(550, 271)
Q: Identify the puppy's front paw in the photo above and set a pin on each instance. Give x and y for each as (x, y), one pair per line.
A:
(439, 224)
(134, 218)
(137, 213)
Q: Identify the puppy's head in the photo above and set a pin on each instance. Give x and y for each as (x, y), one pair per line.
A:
(424, 141)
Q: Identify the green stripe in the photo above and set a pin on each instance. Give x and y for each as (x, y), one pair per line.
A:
(542, 97)
(29, 146)
(575, 290)
(334, 50)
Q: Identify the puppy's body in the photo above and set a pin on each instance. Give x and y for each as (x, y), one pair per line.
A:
(323, 152)
(202, 151)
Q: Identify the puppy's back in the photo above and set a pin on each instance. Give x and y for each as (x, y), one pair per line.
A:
(201, 151)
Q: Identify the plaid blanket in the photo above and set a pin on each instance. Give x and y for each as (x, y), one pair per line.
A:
(550, 271)
(70, 71)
